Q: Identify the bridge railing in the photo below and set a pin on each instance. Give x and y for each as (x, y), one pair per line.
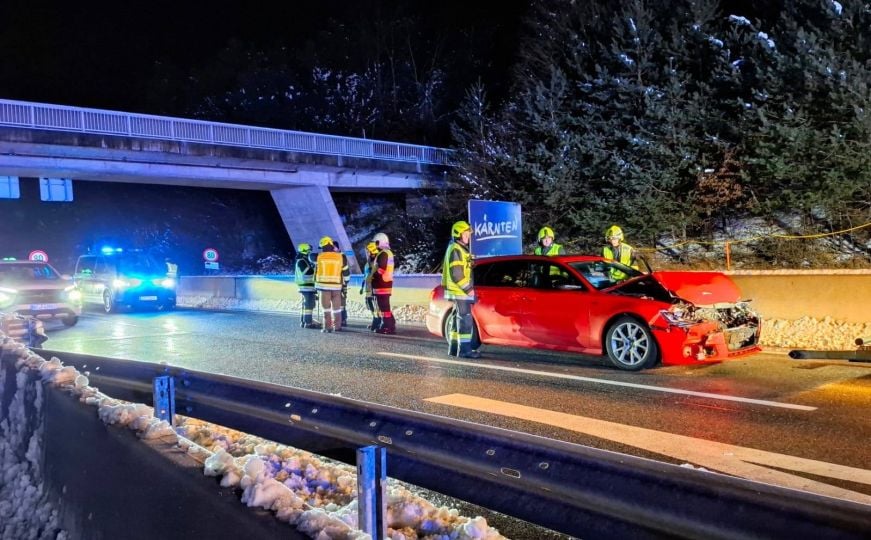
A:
(98, 121)
(581, 491)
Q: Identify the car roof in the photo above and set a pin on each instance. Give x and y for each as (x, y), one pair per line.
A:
(559, 258)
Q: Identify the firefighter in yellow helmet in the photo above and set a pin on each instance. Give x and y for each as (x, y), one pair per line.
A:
(617, 250)
(546, 244)
(459, 286)
(366, 286)
(331, 273)
(304, 277)
(382, 283)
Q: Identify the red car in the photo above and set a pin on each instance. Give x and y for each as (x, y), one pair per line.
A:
(595, 306)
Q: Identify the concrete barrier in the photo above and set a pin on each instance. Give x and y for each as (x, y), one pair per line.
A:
(786, 295)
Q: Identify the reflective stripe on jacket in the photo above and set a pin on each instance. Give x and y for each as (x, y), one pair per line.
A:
(332, 268)
(382, 275)
(552, 251)
(457, 272)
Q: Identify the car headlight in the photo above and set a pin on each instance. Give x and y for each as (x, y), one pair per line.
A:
(7, 297)
(73, 294)
(678, 315)
(167, 283)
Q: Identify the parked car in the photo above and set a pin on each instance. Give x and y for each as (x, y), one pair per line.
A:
(36, 289)
(574, 303)
(117, 279)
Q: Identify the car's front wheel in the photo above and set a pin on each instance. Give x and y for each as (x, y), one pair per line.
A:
(450, 322)
(630, 345)
(109, 305)
(70, 320)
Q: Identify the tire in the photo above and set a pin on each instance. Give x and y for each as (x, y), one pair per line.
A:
(109, 305)
(630, 345)
(446, 332)
(70, 320)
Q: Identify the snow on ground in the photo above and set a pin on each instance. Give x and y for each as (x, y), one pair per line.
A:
(316, 495)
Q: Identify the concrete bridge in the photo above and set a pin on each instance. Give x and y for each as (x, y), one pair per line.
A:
(300, 170)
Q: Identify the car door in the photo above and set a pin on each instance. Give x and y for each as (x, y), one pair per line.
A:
(557, 313)
(501, 288)
(83, 277)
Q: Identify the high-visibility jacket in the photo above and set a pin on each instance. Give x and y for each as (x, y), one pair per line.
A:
(553, 250)
(331, 271)
(304, 274)
(457, 272)
(625, 255)
(382, 275)
(368, 275)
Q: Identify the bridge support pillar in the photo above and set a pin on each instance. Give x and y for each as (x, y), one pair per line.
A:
(308, 213)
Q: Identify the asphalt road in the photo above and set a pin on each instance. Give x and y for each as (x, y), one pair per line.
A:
(803, 424)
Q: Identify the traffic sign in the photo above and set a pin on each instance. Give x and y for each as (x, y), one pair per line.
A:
(38, 255)
(210, 255)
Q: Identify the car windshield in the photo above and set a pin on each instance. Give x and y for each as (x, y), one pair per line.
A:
(604, 274)
(140, 263)
(23, 273)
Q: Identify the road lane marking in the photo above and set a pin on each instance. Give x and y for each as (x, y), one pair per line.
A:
(740, 461)
(707, 395)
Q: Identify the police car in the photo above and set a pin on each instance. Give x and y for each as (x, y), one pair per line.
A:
(116, 278)
(36, 289)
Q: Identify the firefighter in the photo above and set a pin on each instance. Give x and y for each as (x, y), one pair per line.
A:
(459, 287)
(546, 245)
(382, 283)
(366, 286)
(344, 294)
(330, 272)
(617, 250)
(304, 277)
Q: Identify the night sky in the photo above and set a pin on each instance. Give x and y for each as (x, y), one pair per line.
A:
(108, 54)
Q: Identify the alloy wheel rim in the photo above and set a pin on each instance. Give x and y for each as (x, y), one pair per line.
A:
(630, 344)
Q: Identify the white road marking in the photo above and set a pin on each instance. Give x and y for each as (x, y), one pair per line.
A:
(707, 395)
(747, 463)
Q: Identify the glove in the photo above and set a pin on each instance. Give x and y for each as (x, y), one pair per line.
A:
(361, 290)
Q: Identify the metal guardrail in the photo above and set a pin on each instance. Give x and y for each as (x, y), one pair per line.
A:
(98, 121)
(581, 491)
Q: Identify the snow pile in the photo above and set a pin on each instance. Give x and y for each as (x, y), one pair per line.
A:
(316, 495)
(813, 334)
(25, 511)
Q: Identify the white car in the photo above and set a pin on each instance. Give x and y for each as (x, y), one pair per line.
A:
(36, 289)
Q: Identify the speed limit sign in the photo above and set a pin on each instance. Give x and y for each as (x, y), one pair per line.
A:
(210, 255)
(38, 255)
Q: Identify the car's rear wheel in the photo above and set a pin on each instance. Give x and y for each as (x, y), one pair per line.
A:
(450, 322)
(109, 305)
(630, 345)
(70, 320)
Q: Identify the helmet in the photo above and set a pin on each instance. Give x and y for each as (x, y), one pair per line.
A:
(544, 232)
(325, 241)
(614, 232)
(381, 238)
(304, 248)
(371, 248)
(459, 228)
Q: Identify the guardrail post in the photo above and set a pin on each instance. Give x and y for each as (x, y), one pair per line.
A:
(372, 490)
(164, 398)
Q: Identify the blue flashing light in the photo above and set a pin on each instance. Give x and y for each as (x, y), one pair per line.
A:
(9, 259)
(109, 250)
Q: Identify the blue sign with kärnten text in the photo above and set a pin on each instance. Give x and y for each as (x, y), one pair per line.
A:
(496, 228)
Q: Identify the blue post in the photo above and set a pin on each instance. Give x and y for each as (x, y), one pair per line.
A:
(164, 398)
(372, 490)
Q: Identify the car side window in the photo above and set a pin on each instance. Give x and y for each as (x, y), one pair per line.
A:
(85, 266)
(554, 277)
(103, 266)
(503, 274)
